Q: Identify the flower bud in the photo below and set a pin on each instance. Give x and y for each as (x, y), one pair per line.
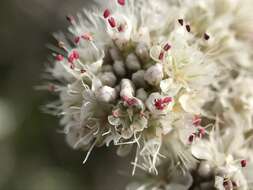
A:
(154, 74)
(141, 94)
(106, 94)
(107, 68)
(138, 78)
(142, 51)
(115, 54)
(119, 68)
(127, 88)
(132, 62)
(205, 169)
(108, 78)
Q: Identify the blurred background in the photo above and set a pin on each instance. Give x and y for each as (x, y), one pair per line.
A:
(33, 155)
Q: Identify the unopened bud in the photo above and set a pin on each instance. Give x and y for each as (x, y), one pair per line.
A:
(138, 78)
(108, 78)
(142, 51)
(106, 94)
(119, 68)
(127, 88)
(154, 74)
(141, 94)
(115, 54)
(107, 68)
(132, 62)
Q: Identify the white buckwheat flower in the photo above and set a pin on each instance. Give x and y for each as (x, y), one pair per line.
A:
(154, 77)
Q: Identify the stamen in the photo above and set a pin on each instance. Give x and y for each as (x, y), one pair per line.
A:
(161, 103)
(121, 28)
(87, 36)
(115, 113)
(72, 66)
(206, 36)
(188, 28)
(74, 55)
(243, 163)
(82, 70)
(167, 47)
(201, 132)
(129, 101)
(59, 57)
(106, 13)
(191, 138)
(112, 22)
(181, 22)
(77, 39)
(196, 120)
(71, 19)
(161, 55)
(121, 2)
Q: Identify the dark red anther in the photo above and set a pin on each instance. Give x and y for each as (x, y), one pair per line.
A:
(181, 22)
(77, 39)
(243, 163)
(121, 2)
(161, 55)
(188, 28)
(167, 100)
(112, 22)
(121, 28)
(72, 66)
(234, 184)
(59, 57)
(191, 138)
(82, 70)
(225, 183)
(206, 36)
(167, 47)
(106, 13)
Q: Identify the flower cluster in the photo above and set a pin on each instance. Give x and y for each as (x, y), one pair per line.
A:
(169, 80)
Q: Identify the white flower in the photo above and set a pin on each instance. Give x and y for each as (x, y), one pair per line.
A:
(153, 76)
